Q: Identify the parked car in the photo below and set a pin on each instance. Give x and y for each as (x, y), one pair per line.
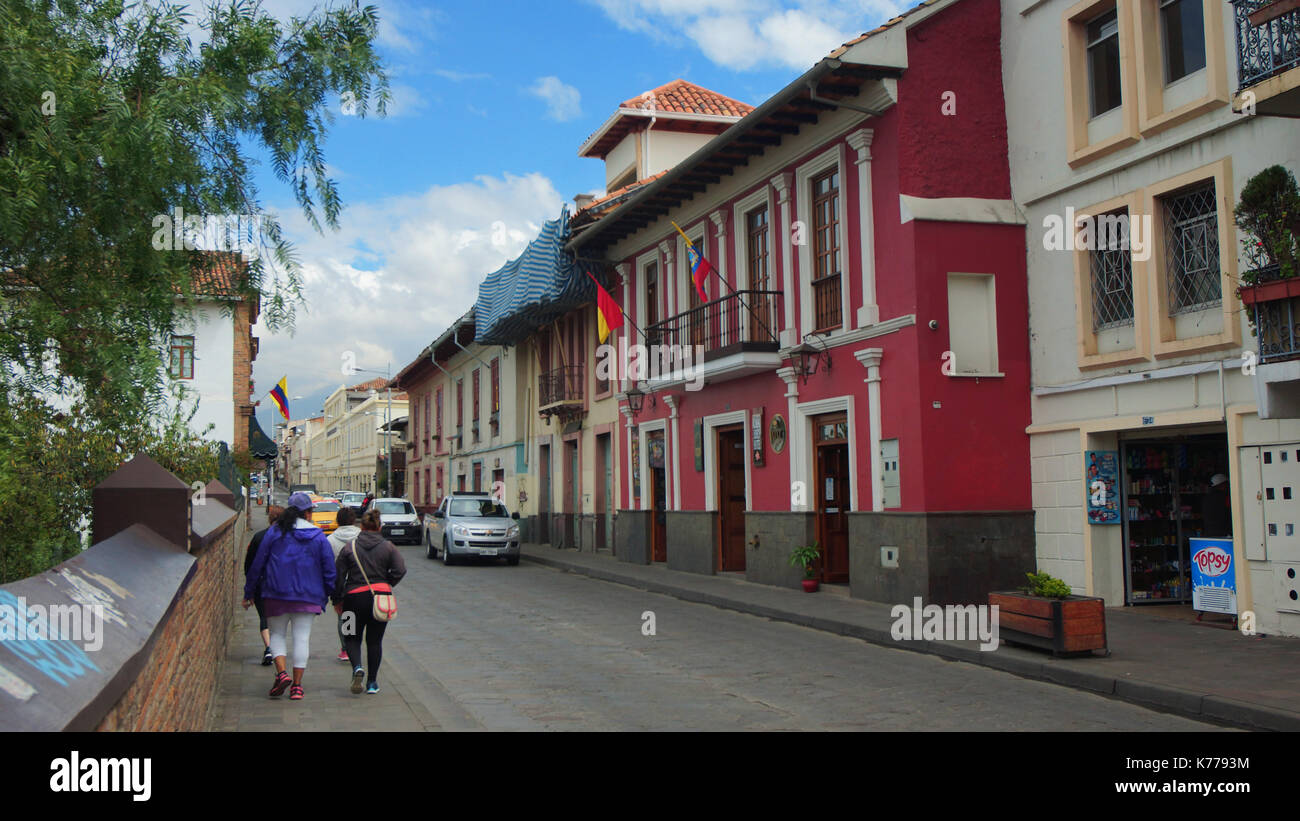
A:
(325, 514)
(471, 524)
(400, 524)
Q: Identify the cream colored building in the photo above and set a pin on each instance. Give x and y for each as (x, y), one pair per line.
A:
(345, 452)
(1141, 350)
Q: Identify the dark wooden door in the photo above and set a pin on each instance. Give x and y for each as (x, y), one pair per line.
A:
(544, 495)
(658, 498)
(573, 494)
(830, 436)
(604, 492)
(731, 498)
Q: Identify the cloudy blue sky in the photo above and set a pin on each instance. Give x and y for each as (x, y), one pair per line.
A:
(491, 101)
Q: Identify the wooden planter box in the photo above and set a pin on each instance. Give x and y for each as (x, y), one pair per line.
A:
(1076, 624)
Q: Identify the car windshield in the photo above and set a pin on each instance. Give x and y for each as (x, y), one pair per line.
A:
(395, 508)
(481, 508)
(326, 507)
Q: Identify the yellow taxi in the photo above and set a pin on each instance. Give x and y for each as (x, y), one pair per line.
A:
(324, 513)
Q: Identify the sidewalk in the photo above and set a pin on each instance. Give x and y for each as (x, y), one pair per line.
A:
(1199, 670)
(328, 705)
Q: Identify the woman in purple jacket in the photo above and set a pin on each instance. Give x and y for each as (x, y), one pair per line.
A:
(295, 571)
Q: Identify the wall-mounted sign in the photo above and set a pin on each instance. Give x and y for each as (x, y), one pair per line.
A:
(699, 445)
(636, 470)
(1101, 482)
(756, 435)
(776, 433)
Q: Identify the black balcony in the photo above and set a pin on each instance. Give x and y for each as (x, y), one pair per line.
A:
(561, 389)
(1268, 46)
(739, 322)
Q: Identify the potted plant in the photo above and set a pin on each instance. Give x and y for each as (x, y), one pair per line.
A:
(806, 557)
(1269, 214)
(1045, 614)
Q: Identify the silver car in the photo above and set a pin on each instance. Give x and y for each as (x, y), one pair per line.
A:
(472, 524)
(399, 522)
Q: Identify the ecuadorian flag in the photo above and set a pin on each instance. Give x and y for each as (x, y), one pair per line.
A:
(280, 393)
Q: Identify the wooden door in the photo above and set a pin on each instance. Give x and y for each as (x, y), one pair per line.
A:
(544, 495)
(658, 498)
(830, 438)
(604, 492)
(731, 497)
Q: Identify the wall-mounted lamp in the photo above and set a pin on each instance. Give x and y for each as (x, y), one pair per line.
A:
(805, 358)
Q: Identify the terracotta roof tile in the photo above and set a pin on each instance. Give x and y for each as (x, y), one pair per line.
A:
(378, 383)
(682, 97)
(618, 192)
(882, 27)
(222, 273)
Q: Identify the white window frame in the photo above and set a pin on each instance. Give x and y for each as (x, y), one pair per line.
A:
(642, 262)
(801, 447)
(711, 423)
(993, 321)
(643, 430)
(683, 267)
(833, 157)
(762, 197)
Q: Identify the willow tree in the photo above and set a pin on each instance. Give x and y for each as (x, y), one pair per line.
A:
(114, 116)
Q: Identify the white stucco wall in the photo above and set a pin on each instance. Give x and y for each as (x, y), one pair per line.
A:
(214, 351)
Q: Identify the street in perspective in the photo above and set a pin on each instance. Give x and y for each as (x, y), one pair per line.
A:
(774, 365)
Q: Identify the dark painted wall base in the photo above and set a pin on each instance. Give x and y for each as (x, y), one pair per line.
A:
(945, 558)
(778, 533)
(692, 537)
(632, 536)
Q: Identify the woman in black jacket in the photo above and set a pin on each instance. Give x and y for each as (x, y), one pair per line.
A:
(369, 565)
(272, 513)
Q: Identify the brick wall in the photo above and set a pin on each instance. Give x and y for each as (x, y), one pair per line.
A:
(177, 688)
(242, 379)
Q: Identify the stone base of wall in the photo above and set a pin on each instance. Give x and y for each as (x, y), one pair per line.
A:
(692, 540)
(778, 533)
(632, 536)
(945, 558)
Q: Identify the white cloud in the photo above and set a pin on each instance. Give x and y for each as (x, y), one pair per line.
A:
(747, 34)
(396, 274)
(460, 76)
(404, 100)
(563, 102)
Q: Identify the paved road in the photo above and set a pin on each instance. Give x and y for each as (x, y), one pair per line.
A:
(531, 648)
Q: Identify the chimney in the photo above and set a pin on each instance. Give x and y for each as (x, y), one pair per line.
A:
(583, 200)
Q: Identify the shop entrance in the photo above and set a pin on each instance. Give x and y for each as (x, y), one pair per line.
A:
(1168, 498)
(658, 498)
(731, 497)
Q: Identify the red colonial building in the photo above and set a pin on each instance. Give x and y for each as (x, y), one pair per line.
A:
(864, 382)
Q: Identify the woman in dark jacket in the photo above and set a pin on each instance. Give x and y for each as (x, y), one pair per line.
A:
(369, 565)
(272, 513)
(294, 569)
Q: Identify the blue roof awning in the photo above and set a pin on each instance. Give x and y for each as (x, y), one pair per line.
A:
(534, 290)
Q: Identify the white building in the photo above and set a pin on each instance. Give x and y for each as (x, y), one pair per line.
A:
(1121, 113)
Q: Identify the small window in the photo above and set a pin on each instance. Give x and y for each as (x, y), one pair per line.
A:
(1103, 63)
(182, 357)
(1182, 27)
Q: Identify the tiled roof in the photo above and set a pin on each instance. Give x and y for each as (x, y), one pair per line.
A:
(885, 25)
(681, 97)
(223, 273)
(618, 192)
(378, 383)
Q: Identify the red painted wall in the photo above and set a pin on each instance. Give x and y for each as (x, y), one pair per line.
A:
(964, 155)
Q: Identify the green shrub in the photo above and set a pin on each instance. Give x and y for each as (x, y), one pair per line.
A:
(1042, 584)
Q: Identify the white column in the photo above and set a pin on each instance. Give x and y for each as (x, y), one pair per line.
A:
(625, 277)
(870, 359)
(719, 218)
(868, 311)
(782, 184)
(673, 402)
(793, 450)
(631, 480)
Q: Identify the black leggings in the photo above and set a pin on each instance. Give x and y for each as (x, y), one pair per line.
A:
(361, 605)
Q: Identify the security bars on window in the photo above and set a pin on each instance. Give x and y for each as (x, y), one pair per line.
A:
(1192, 249)
(1112, 284)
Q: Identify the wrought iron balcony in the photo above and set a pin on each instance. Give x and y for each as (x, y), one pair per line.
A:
(561, 388)
(1274, 304)
(738, 322)
(1268, 46)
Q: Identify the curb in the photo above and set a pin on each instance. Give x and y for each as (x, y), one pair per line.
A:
(1163, 697)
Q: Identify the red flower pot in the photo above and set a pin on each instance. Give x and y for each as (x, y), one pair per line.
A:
(810, 585)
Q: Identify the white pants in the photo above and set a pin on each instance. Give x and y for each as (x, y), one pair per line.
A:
(279, 627)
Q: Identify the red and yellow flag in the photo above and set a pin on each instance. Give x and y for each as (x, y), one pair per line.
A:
(609, 316)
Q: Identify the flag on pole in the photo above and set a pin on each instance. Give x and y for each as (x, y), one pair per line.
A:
(609, 315)
(700, 267)
(280, 394)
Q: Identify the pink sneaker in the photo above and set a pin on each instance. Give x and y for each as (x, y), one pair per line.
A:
(282, 682)
(343, 656)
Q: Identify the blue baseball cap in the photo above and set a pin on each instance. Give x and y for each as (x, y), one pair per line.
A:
(301, 501)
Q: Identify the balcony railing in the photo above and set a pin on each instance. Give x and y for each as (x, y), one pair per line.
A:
(1275, 319)
(1266, 49)
(739, 321)
(561, 386)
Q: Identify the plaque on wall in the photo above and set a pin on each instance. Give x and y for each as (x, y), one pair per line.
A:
(776, 433)
(699, 445)
(756, 435)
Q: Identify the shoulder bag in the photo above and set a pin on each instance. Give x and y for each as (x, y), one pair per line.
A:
(385, 607)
